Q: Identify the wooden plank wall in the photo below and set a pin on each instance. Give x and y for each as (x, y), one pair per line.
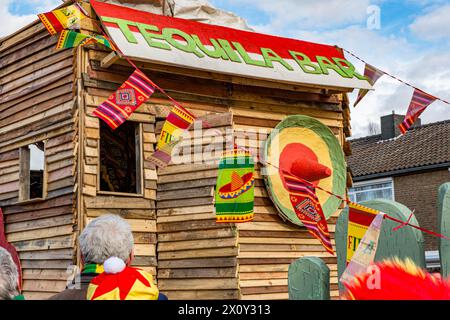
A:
(196, 256)
(189, 266)
(139, 211)
(37, 103)
(268, 245)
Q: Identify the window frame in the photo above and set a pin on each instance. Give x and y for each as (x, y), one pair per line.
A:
(139, 165)
(24, 175)
(372, 182)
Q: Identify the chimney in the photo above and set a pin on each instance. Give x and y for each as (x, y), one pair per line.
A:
(390, 123)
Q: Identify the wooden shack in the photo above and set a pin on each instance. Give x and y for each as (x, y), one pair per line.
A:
(46, 103)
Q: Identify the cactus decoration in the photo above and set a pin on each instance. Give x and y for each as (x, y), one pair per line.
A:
(309, 279)
(444, 228)
(403, 243)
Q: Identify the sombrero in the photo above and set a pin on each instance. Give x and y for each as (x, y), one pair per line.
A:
(307, 149)
(237, 186)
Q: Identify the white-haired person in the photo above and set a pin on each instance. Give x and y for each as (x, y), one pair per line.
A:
(9, 277)
(105, 239)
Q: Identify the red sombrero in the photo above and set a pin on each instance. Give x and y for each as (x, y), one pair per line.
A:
(237, 186)
(307, 149)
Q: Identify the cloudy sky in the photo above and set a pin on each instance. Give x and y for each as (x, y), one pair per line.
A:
(407, 38)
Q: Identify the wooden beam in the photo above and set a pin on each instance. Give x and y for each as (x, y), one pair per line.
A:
(24, 179)
(109, 60)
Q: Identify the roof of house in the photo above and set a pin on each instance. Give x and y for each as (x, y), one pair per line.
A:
(420, 148)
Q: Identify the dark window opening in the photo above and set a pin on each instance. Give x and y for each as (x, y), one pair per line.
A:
(120, 158)
(32, 166)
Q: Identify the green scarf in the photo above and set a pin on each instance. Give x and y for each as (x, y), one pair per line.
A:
(93, 268)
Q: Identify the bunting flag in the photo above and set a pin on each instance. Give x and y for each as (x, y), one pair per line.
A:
(70, 39)
(130, 96)
(65, 18)
(234, 196)
(420, 101)
(372, 74)
(308, 209)
(365, 254)
(178, 120)
(359, 220)
(162, 157)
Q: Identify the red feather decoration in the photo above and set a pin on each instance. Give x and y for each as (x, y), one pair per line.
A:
(397, 280)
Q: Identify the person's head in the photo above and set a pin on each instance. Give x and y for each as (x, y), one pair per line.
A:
(104, 237)
(9, 276)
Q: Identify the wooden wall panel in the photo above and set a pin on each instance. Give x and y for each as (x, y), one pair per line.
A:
(37, 103)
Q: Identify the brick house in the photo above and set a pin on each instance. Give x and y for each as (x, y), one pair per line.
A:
(408, 169)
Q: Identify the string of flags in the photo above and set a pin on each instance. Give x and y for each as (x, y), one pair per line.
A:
(419, 101)
(234, 194)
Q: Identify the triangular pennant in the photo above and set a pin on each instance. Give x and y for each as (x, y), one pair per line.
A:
(419, 102)
(359, 220)
(308, 209)
(372, 74)
(130, 96)
(69, 39)
(64, 18)
(365, 254)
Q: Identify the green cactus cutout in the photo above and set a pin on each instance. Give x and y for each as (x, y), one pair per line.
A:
(444, 228)
(404, 243)
(309, 279)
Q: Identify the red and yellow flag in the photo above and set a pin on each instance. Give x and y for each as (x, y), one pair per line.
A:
(359, 220)
(419, 102)
(65, 18)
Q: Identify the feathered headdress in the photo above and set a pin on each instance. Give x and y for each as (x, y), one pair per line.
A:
(397, 280)
(120, 282)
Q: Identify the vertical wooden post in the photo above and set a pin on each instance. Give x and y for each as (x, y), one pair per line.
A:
(24, 173)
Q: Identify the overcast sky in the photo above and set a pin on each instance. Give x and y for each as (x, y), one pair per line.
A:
(412, 41)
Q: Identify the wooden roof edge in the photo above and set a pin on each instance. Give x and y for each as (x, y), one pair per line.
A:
(28, 26)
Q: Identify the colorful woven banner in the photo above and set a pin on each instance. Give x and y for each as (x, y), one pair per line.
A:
(65, 18)
(162, 157)
(359, 220)
(129, 284)
(365, 254)
(178, 120)
(70, 39)
(372, 74)
(130, 96)
(420, 101)
(234, 196)
(308, 209)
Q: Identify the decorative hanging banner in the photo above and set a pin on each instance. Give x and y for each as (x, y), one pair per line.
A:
(178, 120)
(162, 157)
(365, 254)
(420, 101)
(308, 209)
(372, 74)
(69, 39)
(10, 248)
(234, 196)
(359, 220)
(65, 18)
(130, 96)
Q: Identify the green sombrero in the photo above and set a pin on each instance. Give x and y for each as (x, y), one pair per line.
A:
(307, 148)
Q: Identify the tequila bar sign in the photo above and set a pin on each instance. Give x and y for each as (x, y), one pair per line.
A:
(184, 43)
